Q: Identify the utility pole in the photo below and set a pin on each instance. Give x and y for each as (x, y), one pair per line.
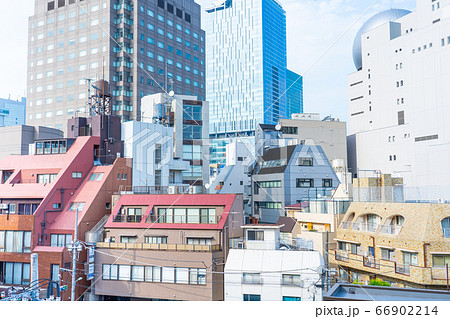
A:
(327, 265)
(34, 275)
(75, 247)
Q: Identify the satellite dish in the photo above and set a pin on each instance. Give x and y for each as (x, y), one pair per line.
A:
(278, 127)
(171, 93)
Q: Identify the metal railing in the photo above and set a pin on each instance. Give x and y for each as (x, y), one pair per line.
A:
(368, 227)
(345, 225)
(390, 229)
(155, 190)
(291, 282)
(341, 256)
(170, 247)
(402, 269)
(127, 218)
(252, 281)
(183, 219)
(371, 262)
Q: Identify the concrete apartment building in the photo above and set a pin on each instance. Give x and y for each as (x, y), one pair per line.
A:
(139, 47)
(167, 247)
(260, 271)
(189, 118)
(329, 133)
(289, 175)
(405, 244)
(397, 98)
(39, 195)
(16, 140)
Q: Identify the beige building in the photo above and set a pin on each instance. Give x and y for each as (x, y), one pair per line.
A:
(406, 244)
(378, 188)
(167, 247)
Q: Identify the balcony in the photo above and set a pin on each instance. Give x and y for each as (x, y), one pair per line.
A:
(155, 190)
(341, 256)
(402, 269)
(390, 229)
(183, 219)
(127, 218)
(292, 282)
(345, 225)
(367, 227)
(167, 247)
(371, 262)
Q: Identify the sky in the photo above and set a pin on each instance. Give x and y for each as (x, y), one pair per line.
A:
(320, 35)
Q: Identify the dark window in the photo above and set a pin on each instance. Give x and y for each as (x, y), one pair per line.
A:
(289, 130)
(187, 17)
(50, 5)
(401, 117)
(248, 297)
(179, 13)
(305, 161)
(255, 235)
(61, 3)
(327, 182)
(170, 8)
(305, 182)
(161, 3)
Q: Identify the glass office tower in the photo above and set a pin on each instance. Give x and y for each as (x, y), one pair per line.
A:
(294, 95)
(246, 66)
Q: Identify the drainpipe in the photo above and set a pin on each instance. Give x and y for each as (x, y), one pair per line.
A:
(44, 223)
(373, 245)
(425, 255)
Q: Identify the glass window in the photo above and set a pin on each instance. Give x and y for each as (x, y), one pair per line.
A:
(182, 275)
(255, 235)
(124, 272)
(137, 273)
(248, 297)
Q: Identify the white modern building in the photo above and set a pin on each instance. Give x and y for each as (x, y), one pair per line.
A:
(398, 102)
(260, 271)
(189, 119)
(151, 148)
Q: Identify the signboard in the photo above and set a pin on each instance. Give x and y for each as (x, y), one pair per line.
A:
(91, 267)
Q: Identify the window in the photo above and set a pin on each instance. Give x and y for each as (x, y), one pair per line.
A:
(287, 298)
(128, 239)
(291, 280)
(60, 240)
(77, 175)
(387, 254)
(441, 260)
(16, 273)
(401, 117)
(269, 184)
(255, 235)
(156, 239)
(76, 206)
(199, 241)
(305, 161)
(45, 178)
(304, 183)
(445, 224)
(137, 273)
(124, 272)
(327, 182)
(55, 272)
(12, 241)
(248, 297)
(251, 278)
(96, 177)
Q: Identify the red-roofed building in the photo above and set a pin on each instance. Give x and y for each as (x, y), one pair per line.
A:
(39, 195)
(167, 247)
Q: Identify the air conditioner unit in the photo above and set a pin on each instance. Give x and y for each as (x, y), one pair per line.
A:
(171, 190)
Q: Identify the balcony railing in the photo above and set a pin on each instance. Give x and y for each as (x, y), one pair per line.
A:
(155, 190)
(183, 219)
(368, 227)
(402, 269)
(371, 262)
(169, 247)
(290, 282)
(341, 256)
(390, 229)
(345, 225)
(252, 281)
(127, 218)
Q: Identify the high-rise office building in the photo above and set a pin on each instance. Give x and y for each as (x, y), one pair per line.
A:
(140, 47)
(294, 93)
(397, 99)
(12, 112)
(246, 65)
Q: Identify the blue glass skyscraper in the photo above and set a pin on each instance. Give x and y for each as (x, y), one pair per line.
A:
(294, 94)
(246, 65)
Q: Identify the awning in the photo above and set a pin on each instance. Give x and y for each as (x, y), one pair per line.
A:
(408, 250)
(347, 241)
(440, 253)
(386, 247)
